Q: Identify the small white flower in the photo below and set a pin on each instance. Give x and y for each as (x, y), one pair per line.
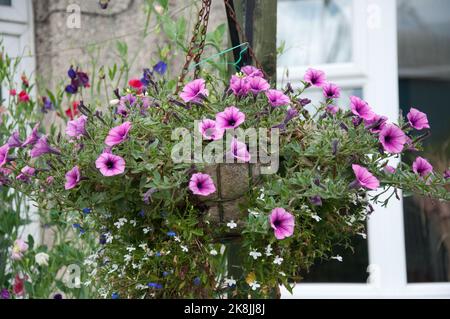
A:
(253, 213)
(177, 239)
(135, 266)
(87, 283)
(222, 249)
(131, 249)
(269, 250)
(184, 248)
(278, 260)
(140, 287)
(213, 252)
(109, 238)
(338, 258)
(146, 230)
(41, 259)
(143, 246)
(254, 285)
(255, 254)
(364, 236)
(230, 282)
(120, 222)
(127, 258)
(232, 224)
(133, 222)
(282, 274)
(114, 102)
(316, 217)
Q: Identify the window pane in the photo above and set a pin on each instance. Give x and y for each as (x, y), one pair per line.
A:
(5, 2)
(314, 31)
(424, 84)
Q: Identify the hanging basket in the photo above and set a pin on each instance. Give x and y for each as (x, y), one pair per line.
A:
(232, 182)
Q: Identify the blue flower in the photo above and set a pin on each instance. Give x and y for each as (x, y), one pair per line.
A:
(160, 67)
(72, 89)
(80, 229)
(47, 105)
(158, 254)
(102, 239)
(115, 295)
(72, 73)
(171, 234)
(197, 281)
(146, 77)
(154, 285)
(166, 273)
(87, 211)
(141, 213)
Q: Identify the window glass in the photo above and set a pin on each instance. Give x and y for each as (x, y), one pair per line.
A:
(5, 3)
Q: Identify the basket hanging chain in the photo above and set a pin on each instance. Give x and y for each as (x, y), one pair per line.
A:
(197, 44)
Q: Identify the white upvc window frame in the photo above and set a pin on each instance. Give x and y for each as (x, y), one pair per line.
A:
(374, 68)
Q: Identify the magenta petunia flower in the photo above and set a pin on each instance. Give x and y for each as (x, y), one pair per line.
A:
(360, 108)
(315, 77)
(110, 164)
(376, 124)
(447, 174)
(332, 109)
(77, 128)
(277, 98)
(251, 71)
(210, 130)
(14, 140)
(239, 150)
(25, 174)
(389, 169)
(33, 137)
(230, 118)
(41, 148)
(4, 150)
(258, 84)
(331, 91)
(201, 184)
(392, 138)
(282, 222)
(417, 119)
(73, 178)
(422, 167)
(364, 178)
(194, 91)
(118, 134)
(240, 86)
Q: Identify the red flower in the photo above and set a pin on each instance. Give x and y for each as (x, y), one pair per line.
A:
(19, 285)
(24, 97)
(136, 84)
(12, 92)
(73, 111)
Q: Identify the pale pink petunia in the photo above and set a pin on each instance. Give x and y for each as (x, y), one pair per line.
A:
(389, 169)
(238, 150)
(282, 223)
(392, 138)
(422, 167)
(42, 147)
(118, 134)
(110, 164)
(331, 91)
(210, 131)
(258, 84)
(364, 178)
(201, 184)
(360, 108)
(332, 109)
(240, 85)
(230, 118)
(194, 91)
(77, 128)
(251, 71)
(26, 173)
(315, 77)
(277, 98)
(4, 150)
(73, 178)
(417, 119)
(18, 249)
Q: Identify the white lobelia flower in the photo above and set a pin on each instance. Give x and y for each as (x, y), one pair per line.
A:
(133, 222)
(255, 254)
(230, 282)
(141, 287)
(41, 259)
(146, 230)
(282, 274)
(231, 224)
(127, 258)
(316, 217)
(143, 246)
(254, 285)
(364, 236)
(177, 239)
(269, 250)
(109, 238)
(253, 213)
(184, 248)
(131, 249)
(114, 267)
(213, 252)
(120, 222)
(278, 260)
(222, 249)
(338, 258)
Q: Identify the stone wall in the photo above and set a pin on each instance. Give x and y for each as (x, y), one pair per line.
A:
(57, 46)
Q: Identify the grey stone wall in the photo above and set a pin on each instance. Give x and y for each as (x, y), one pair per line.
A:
(57, 46)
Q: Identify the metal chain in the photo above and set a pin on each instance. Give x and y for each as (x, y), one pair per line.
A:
(242, 36)
(197, 43)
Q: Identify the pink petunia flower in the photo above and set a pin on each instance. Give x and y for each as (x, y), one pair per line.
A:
(422, 167)
(50, 180)
(110, 164)
(258, 84)
(77, 128)
(14, 140)
(201, 184)
(42, 147)
(25, 174)
(194, 91)
(33, 137)
(360, 108)
(230, 118)
(364, 178)
(282, 222)
(240, 86)
(251, 71)
(376, 124)
(239, 150)
(331, 91)
(19, 248)
(417, 119)
(118, 134)
(315, 77)
(332, 109)
(277, 98)
(389, 169)
(4, 150)
(73, 178)
(210, 130)
(447, 174)
(392, 138)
